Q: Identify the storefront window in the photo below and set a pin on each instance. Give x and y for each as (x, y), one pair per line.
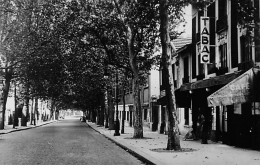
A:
(256, 108)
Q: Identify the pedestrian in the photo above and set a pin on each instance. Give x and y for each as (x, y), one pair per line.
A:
(204, 130)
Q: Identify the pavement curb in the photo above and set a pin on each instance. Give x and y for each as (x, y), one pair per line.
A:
(132, 152)
(25, 128)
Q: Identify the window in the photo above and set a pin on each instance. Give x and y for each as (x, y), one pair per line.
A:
(186, 67)
(245, 49)
(145, 114)
(223, 55)
(186, 70)
(222, 9)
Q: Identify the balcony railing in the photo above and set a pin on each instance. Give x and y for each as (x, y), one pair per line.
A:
(244, 66)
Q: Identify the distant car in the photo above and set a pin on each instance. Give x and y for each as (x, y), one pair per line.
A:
(83, 118)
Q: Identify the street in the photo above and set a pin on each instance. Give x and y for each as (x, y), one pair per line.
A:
(66, 142)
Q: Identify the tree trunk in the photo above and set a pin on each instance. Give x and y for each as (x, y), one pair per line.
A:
(173, 131)
(52, 115)
(3, 98)
(137, 110)
(123, 115)
(25, 111)
(111, 110)
(101, 120)
(106, 109)
(98, 115)
(102, 114)
(32, 111)
(36, 112)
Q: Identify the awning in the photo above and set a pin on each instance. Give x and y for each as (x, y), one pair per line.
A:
(214, 81)
(240, 90)
(182, 99)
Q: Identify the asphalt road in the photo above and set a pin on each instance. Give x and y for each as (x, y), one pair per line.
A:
(67, 142)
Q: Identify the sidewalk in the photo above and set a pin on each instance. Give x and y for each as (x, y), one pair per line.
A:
(9, 128)
(202, 154)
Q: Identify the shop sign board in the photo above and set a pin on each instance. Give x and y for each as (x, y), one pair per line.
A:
(205, 41)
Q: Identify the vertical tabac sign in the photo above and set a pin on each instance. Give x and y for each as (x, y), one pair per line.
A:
(205, 53)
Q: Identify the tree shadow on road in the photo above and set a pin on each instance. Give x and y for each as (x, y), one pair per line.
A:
(144, 138)
(171, 151)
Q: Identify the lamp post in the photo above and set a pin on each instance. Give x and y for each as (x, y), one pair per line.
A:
(117, 124)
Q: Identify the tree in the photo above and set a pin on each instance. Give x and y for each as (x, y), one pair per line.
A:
(63, 66)
(138, 19)
(168, 49)
(15, 20)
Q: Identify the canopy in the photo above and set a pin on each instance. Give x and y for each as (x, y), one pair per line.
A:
(244, 88)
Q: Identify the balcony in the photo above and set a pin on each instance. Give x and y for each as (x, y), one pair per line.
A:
(244, 66)
(222, 24)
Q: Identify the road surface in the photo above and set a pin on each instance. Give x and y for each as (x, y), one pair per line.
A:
(66, 142)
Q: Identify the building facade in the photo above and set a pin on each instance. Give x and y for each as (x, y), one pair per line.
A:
(223, 93)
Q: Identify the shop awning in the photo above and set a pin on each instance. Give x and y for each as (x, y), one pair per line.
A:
(214, 81)
(244, 88)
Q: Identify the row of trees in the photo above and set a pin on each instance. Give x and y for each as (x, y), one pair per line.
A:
(61, 49)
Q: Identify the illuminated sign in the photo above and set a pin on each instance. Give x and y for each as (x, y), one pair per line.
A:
(205, 43)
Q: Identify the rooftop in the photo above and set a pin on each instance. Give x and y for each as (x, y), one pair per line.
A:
(181, 42)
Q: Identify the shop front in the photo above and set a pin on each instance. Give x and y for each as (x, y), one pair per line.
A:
(207, 122)
(240, 102)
